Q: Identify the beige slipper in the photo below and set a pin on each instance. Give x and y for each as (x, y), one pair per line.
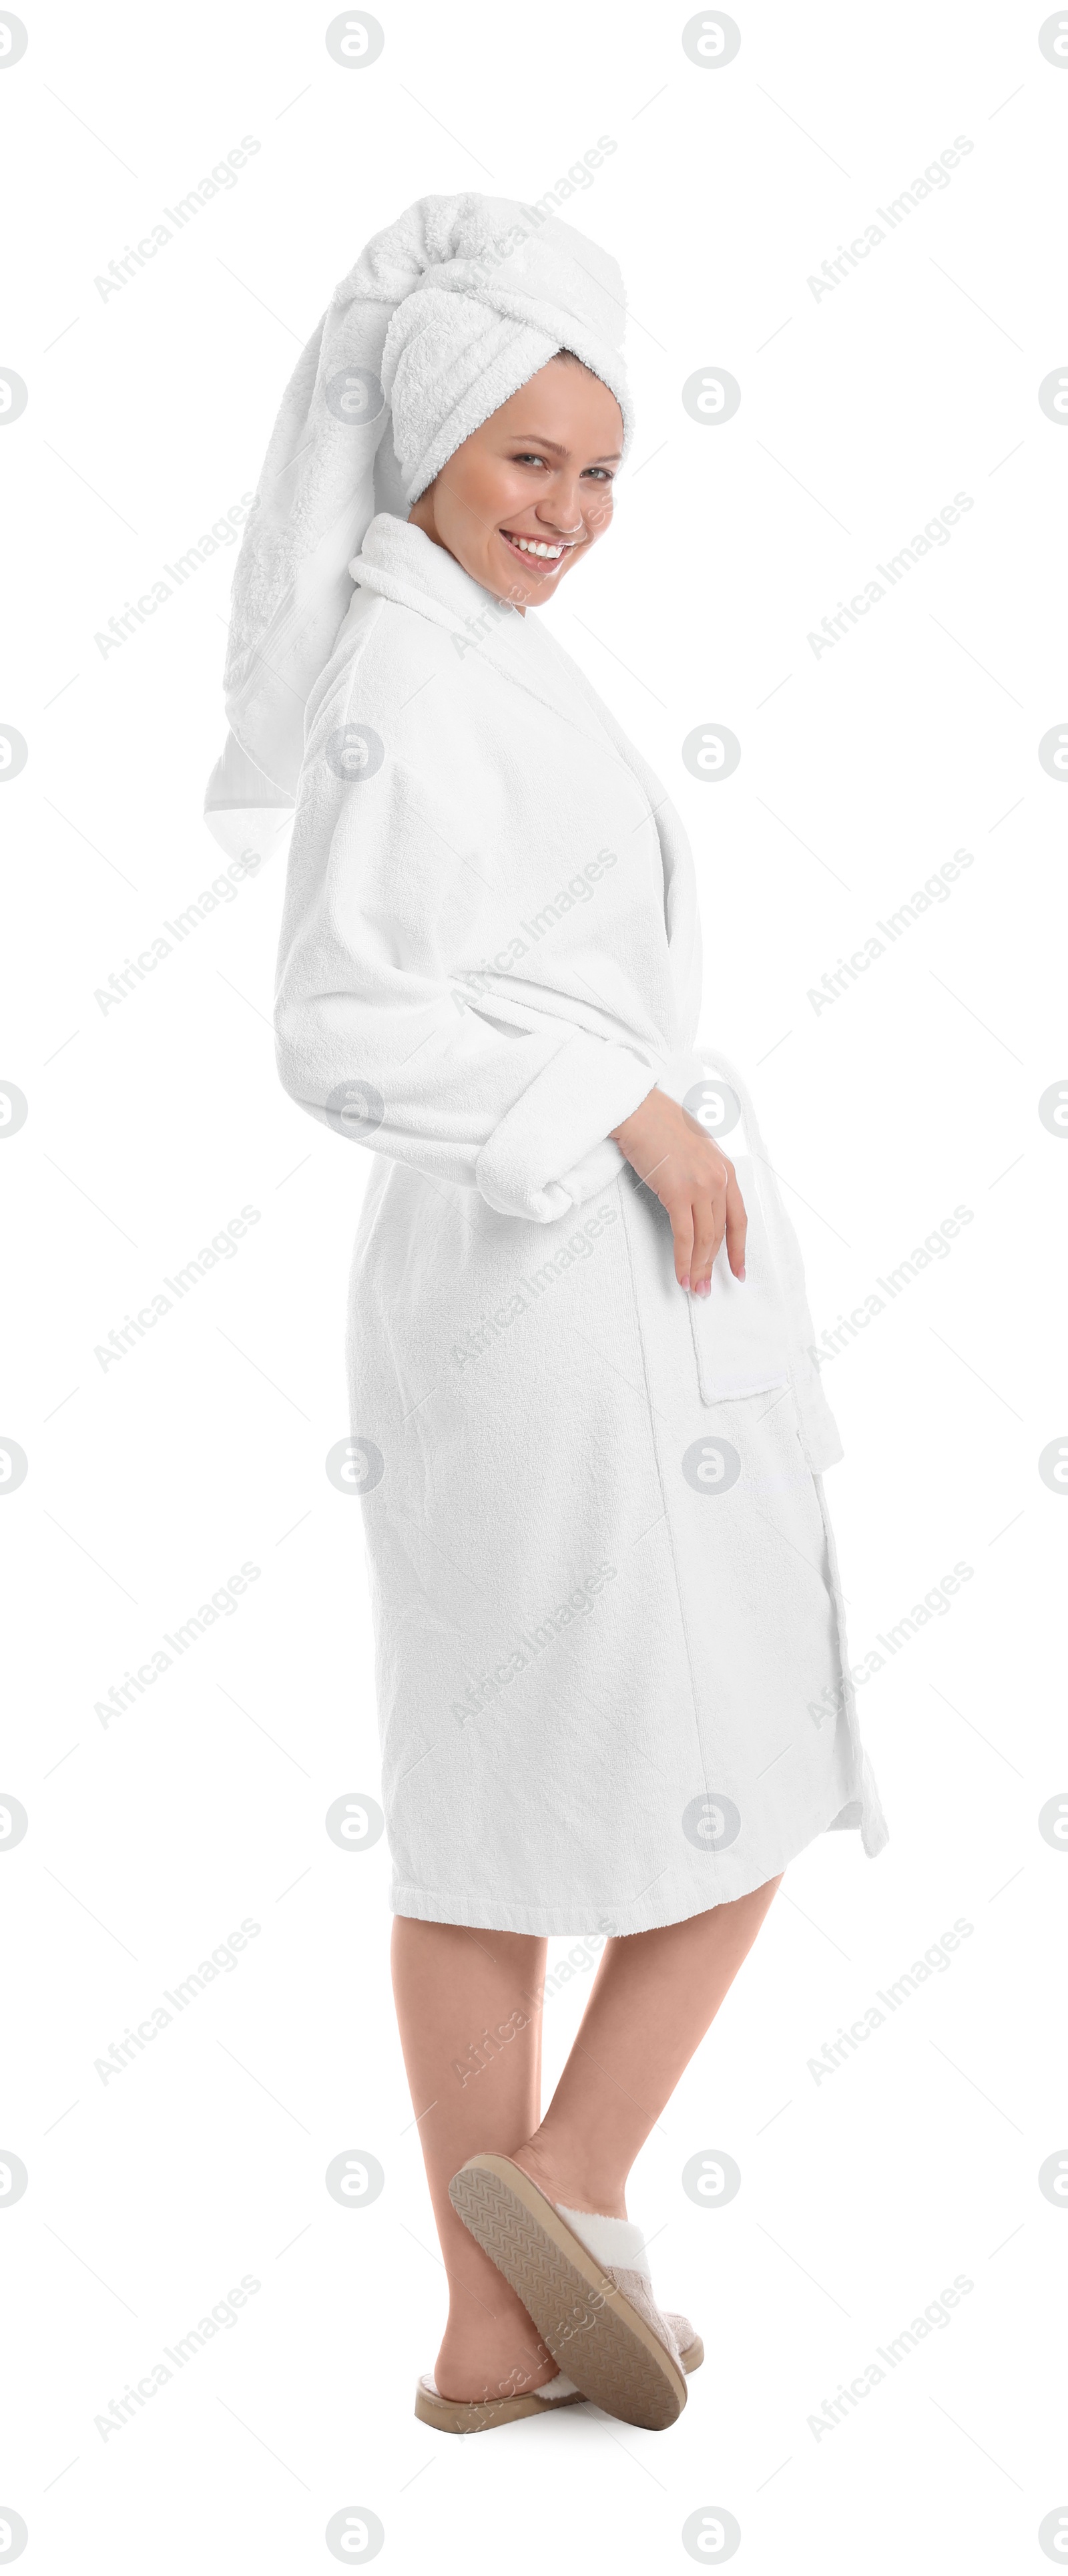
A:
(479, 2415)
(584, 2280)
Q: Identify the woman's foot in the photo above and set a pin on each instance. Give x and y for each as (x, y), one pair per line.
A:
(584, 2280)
(486, 2355)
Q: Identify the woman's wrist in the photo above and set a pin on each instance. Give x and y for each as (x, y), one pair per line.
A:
(616, 1134)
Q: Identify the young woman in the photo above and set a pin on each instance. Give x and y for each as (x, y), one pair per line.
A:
(612, 1672)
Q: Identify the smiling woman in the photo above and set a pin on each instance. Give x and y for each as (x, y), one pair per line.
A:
(613, 1690)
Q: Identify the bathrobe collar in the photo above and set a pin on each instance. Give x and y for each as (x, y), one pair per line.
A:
(402, 563)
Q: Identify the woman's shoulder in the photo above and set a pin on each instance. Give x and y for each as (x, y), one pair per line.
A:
(384, 655)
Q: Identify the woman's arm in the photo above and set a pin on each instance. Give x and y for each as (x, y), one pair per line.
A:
(511, 1101)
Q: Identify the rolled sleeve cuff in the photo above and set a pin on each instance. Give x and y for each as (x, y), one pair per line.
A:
(543, 1157)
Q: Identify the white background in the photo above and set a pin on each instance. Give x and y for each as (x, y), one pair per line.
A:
(151, 1124)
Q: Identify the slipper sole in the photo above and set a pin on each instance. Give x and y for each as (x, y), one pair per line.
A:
(586, 2322)
(479, 2415)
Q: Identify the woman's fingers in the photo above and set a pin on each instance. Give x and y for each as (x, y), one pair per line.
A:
(721, 1215)
(709, 1218)
(737, 1225)
(682, 1229)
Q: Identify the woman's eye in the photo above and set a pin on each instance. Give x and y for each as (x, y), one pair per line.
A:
(527, 456)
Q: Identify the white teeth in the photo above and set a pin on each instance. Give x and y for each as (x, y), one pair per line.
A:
(529, 546)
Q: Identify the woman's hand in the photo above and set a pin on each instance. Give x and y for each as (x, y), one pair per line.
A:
(671, 1153)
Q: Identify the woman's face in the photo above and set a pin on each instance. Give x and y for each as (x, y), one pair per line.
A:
(538, 472)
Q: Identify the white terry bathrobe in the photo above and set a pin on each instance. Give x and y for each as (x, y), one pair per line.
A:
(612, 1670)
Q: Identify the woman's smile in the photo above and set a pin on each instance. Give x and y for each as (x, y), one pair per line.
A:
(541, 555)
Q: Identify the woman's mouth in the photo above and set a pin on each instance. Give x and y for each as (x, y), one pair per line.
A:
(541, 555)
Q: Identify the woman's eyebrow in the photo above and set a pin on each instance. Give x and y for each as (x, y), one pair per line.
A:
(532, 440)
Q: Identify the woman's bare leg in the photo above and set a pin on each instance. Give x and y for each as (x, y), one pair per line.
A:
(652, 2000)
(475, 2089)
(469, 2010)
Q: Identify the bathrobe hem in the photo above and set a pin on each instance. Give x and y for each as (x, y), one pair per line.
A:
(484, 1914)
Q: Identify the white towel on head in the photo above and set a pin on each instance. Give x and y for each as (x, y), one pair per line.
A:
(446, 313)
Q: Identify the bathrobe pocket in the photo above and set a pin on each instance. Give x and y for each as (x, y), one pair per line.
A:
(739, 1330)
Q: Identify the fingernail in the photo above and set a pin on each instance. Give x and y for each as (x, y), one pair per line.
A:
(741, 1273)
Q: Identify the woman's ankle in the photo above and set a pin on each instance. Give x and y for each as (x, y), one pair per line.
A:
(566, 2176)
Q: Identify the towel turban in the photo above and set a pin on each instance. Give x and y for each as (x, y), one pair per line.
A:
(446, 313)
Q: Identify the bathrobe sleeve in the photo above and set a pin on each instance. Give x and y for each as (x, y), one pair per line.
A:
(380, 1039)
